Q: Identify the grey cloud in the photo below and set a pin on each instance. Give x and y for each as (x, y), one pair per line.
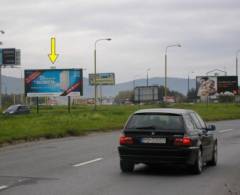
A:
(207, 29)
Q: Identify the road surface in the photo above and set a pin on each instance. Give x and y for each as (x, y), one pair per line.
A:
(90, 165)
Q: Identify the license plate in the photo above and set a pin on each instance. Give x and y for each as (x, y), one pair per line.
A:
(154, 140)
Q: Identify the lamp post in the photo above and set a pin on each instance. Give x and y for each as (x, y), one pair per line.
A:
(147, 75)
(95, 69)
(188, 85)
(165, 83)
(134, 80)
(238, 51)
(1, 32)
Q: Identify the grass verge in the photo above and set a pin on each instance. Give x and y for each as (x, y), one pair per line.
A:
(54, 122)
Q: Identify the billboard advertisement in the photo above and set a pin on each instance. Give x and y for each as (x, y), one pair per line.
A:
(144, 94)
(10, 56)
(206, 85)
(102, 79)
(53, 82)
(216, 85)
(228, 85)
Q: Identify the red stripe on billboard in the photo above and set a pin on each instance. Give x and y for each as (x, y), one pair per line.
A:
(32, 76)
(72, 88)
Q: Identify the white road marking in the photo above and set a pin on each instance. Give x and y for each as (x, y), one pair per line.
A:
(3, 187)
(87, 162)
(225, 130)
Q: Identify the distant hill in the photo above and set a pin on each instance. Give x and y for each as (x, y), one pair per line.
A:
(15, 85)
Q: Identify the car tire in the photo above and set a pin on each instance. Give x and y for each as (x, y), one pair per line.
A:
(198, 165)
(213, 162)
(126, 167)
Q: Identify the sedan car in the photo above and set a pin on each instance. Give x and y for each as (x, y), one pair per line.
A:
(16, 109)
(167, 136)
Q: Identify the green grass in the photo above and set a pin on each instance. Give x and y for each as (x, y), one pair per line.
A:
(53, 122)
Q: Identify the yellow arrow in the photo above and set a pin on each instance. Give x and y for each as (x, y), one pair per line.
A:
(53, 56)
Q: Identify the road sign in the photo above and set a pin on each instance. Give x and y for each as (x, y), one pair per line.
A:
(9, 56)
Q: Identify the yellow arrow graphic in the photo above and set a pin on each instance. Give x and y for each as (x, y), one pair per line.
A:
(53, 56)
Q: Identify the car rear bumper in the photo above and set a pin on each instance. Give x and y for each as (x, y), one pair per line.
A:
(159, 156)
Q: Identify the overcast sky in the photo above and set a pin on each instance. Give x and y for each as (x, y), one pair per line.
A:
(209, 31)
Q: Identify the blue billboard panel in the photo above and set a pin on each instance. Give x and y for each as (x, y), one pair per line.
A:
(54, 82)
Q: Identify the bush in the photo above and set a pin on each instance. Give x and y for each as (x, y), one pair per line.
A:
(226, 98)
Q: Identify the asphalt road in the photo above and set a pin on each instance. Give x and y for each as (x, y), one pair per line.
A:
(90, 165)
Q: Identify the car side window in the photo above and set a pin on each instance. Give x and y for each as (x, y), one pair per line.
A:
(203, 125)
(189, 122)
(195, 120)
(21, 108)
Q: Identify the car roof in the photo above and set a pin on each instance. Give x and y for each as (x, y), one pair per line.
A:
(17, 105)
(164, 110)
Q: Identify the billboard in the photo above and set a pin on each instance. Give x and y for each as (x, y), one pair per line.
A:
(145, 94)
(10, 56)
(206, 86)
(216, 85)
(228, 85)
(53, 82)
(102, 79)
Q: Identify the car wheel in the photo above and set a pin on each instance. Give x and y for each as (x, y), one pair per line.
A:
(213, 162)
(198, 166)
(126, 167)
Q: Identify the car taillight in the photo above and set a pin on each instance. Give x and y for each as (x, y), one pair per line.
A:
(125, 140)
(185, 141)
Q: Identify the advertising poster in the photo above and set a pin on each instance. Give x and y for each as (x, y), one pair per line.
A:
(228, 85)
(102, 79)
(144, 93)
(54, 82)
(206, 86)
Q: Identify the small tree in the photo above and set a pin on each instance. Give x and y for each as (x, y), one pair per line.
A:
(192, 95)
(124, 96)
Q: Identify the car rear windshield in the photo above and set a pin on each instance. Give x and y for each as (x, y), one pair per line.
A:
(12, 108)
(156, 121)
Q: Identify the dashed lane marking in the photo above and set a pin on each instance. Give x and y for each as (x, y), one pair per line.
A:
(225, 130)
(87, 162)
(3, 187)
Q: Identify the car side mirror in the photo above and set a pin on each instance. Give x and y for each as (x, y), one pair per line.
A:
(211, 128)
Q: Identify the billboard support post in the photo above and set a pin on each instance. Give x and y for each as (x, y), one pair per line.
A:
(0, 86)
(69, 104)
(95, 83)
(37, 105)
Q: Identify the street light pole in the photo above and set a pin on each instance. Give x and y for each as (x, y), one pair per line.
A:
(95, 70)
(238, 51)
(134, 80)
(189, 82)
(147, 75)
(165, 79)
(1, 32)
